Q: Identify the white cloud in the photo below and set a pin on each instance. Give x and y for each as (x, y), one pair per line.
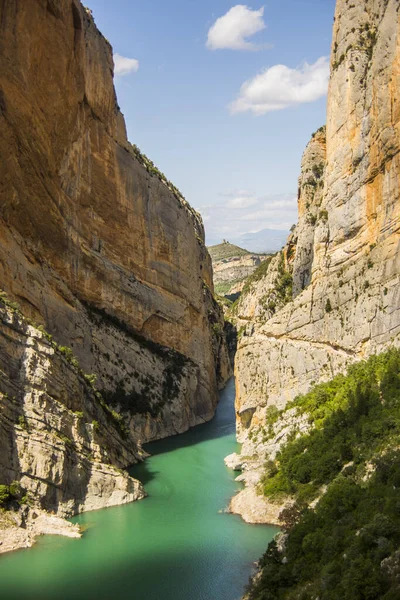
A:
(242, 202)
(279, 87)
(241, 212)
(124, 66)
(232, 30)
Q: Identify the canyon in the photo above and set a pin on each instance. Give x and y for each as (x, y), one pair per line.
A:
(111, 335)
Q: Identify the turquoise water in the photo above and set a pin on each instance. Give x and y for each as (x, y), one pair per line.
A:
(174, 545)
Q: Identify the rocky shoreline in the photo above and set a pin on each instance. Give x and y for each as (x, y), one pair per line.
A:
(20, 529)
(248, 503)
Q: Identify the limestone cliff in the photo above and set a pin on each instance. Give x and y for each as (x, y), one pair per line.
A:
(57, 436)
(333, 295)
(99, 249)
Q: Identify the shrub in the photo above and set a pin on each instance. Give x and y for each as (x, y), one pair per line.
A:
(90, 378)
(217, 329)
(23, 423)
(4, 494)
(337, 550)
(311, 219)
(16, 489)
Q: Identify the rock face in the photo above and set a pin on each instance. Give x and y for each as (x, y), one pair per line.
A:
(333, 295)
(232, 265)
(102, 252)
(57, 437)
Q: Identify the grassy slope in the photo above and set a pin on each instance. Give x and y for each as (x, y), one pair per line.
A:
(345, 548)
(222, 251)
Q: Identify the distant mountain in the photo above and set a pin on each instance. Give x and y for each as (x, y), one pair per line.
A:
(266, 240)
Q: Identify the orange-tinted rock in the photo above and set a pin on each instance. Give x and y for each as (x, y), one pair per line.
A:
(93, 245)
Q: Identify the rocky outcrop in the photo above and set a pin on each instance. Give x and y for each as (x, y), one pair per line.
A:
(311, 189)
(234, 271)
(232, 266)
(58, 438)
(20, 529)
(343, 258)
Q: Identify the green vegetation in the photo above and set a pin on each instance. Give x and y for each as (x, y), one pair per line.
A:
(268, 303)
(23, 423)
(69, 356)
(344, 548)
(153, 170)
(318, 170)
(284, 281)
(320, 130)
(4, 494)
(65, 440)
(146, 401)
(223, 302)
(328, 306)
(226, 250)
(90, 378)
(338, 62)
(12, 493)
(258, 274)
(223, 288)
(311, 219)
(217, 329)
(281, 293)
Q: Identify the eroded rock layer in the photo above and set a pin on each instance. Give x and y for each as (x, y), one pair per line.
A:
(333, 295)
(57, 437)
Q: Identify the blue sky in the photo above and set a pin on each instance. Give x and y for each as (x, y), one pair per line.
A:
(234, 157)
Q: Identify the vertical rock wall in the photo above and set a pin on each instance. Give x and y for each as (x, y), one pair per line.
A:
(344, 256)
(95, 243)
(100, 251)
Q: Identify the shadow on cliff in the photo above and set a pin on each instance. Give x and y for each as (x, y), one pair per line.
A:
(222, 425)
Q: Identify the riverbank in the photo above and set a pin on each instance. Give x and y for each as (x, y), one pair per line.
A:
(178, 543)
(20, 529)
(251, 506)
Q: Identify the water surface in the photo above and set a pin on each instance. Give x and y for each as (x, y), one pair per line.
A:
(174, 545)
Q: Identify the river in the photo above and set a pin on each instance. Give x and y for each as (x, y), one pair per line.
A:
(177, 544)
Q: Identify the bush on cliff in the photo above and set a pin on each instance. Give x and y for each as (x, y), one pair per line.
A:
(346, 548)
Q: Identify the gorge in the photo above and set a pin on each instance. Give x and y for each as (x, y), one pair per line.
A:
(113, 340)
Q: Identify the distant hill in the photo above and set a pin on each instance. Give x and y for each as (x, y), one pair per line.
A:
(266, 240)
(232, 265)
(226, 250)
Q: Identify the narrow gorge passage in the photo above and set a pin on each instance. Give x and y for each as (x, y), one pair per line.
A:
(175, 545)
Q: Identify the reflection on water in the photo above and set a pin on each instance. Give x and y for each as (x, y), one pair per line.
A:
(175, 545)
